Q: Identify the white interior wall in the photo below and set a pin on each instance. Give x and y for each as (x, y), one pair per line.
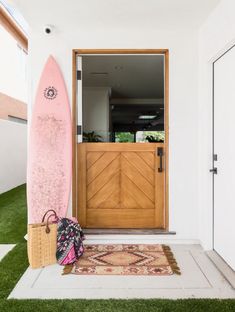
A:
(96, 111)
(13, 155)
(216, 35)
(182, 45)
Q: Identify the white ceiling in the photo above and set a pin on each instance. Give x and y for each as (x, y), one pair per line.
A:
(69, 14)
(135, 76)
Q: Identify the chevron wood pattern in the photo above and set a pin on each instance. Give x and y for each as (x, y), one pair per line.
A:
(121, 186)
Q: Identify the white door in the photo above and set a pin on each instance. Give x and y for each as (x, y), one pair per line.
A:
(224, 148)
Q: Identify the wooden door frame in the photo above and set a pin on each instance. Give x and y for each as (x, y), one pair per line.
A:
(76, 52)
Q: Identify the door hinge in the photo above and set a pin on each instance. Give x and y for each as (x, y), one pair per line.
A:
(79, 75)
(79, 130)
(214, 170)
(215, 157)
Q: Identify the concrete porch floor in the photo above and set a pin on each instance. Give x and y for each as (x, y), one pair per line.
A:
(199, 279)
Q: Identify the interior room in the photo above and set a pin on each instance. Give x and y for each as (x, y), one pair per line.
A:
(123, 98)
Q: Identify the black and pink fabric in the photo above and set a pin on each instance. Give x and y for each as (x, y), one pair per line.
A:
(69, 241)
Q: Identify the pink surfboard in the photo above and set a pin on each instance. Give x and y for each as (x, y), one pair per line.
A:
(50, 146)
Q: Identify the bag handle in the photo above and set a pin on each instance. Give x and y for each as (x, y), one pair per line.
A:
(50, 210)
(47, 221)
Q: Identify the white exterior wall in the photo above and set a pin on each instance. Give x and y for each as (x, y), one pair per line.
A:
(183, 124)
(216, 36)
(13, 80)
(13, 154)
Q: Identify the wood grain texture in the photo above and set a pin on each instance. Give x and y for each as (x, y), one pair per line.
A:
(120, 51)
(100, 165)
(115, 177)
(166, 143)
(117, 147)
(138, 162)
(81, 183)
(92, 158)
(120, 218)
(148, 158)
(137, 180)
(105, 176)
(136, 193)
(107, 196)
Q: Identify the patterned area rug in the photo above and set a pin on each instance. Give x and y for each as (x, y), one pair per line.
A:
(125, 260)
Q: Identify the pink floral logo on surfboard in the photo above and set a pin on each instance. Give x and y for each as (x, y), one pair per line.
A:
(50, 93)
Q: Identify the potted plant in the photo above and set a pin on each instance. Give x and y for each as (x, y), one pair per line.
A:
(91, 137)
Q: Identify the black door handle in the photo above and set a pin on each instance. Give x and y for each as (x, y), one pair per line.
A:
(160, 154)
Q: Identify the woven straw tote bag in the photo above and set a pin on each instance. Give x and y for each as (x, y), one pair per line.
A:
(42, 242)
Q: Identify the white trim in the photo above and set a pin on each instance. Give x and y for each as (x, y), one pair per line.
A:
(227, 47)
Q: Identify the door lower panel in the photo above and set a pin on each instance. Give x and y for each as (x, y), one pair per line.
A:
(120, 218)
(119, 185)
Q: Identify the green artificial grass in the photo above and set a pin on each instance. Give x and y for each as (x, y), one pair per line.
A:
(133, 305)
(13, 215)
(13, 228)
(12, 267)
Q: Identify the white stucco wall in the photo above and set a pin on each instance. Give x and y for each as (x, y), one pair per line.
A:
(216, 35)
(13, 62)
(13, 154)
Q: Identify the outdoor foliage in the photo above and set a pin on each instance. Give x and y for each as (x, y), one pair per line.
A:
(124, 137)
(154, 136)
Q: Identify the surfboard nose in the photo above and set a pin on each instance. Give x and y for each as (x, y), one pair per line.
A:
(51, 65)
(51, 60)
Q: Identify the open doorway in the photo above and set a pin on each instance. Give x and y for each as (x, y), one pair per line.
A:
(122, 152)
(123, 98)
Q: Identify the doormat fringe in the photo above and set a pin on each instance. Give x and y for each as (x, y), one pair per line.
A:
(67, 269)
(171, 259)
